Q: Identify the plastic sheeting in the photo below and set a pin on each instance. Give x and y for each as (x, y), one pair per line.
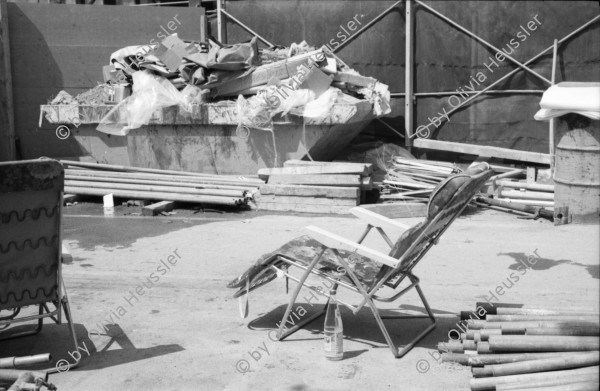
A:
(566, 97)
(150, 93)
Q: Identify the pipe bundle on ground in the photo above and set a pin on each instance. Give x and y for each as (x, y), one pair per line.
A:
(17, 379)
(513, 348)
(523, 193)
(153, 184)
(413, 180)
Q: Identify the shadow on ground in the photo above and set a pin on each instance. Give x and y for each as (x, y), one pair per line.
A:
(105, 350)
(363, 327)
(539, 263)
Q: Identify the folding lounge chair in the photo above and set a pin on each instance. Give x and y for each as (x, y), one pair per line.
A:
(363, 270)
(31, 198)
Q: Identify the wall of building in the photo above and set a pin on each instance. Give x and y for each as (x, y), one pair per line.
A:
(57, 47)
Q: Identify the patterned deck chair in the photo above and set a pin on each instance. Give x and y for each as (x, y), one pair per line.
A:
(368, 272)
(31, 198)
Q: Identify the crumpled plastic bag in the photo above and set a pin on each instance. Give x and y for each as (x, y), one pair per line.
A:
(297, 98)
(235, 57)
(194, 95)
(63, 98)
(150, 93)
(253, 112)
(379, 96)
(321, 106)
(256, 112)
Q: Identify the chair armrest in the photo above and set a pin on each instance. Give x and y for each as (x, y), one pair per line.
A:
(339, 242)
(377, 220)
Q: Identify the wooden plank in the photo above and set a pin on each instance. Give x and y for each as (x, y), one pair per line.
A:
(264, 173)
(263, 74)
(366, 183)
(303, 163)
(304, 208)
(8, 149)
(399, 210)
(279, 199)
(311, 191)
(356, 80)
(531, 174)
(159, 207)
(339, 242)
(482, 150)
(324, 180)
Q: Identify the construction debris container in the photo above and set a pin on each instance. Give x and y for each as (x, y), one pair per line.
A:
(577, 175)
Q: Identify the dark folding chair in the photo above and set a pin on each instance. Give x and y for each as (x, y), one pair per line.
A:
(31, 198)
(368, 272)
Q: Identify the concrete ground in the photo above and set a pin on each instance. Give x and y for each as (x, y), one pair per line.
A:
(183, 331)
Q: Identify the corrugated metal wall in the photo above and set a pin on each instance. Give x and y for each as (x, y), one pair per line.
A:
(445, 58)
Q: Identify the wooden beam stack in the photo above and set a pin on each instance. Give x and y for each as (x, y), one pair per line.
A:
(513, 348)
(153, 184)
(314, 187)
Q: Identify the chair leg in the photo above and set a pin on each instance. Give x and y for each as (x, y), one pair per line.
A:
(408, 347)
(38, 328)
(288, 310)
(395, 351)
(65, 307)
(300, 325)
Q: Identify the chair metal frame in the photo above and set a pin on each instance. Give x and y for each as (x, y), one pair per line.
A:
(61, 302)
(369, 295)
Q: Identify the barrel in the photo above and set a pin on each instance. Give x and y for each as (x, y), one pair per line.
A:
(577, 175)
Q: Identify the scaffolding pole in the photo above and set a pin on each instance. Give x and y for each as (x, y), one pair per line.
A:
(408, 76)
(552, 121)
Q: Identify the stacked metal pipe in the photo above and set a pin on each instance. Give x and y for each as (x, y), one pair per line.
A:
(520, 192)
(153, 184)
(515, 348)
(21, 380)
(414, 180)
